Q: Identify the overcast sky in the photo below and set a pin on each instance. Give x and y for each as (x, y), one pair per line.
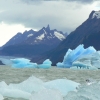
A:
(63, 15)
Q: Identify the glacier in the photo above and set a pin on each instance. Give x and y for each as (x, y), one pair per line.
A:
(73, 55)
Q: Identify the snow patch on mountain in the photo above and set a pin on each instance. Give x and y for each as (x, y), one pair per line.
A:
(44, 31)
(40, 37)
(30, 35)
(59, 36)
(96, 14)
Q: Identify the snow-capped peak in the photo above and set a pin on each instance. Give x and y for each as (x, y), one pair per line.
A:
(30, 35)
(96, 14)
(59, 35)
(40, 37)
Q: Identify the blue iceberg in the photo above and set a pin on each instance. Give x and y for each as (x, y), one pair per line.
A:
(73, 55)
(23, 63)
(46, 64)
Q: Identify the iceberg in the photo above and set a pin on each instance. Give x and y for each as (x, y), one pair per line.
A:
(35, 89)
(85, 92)
(47, 94)
(7, 91)
(91, 61)
(32, 84)
(1, 97)
(25, 63)
(73, 55)
(22, 63)
(63, 85)
(46, 64)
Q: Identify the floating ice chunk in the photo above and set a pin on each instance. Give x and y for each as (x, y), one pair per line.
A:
(55, 89)
(8, 91)
(63, 85)
(60, 65)
(22, 63)
(73, 55)
(1, 97)
(15, 93)
(46, 64)
(47, 61)
(86, 92)
(32, 84)
(6, 61)
(47, 94)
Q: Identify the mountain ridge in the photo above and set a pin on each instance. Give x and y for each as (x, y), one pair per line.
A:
(33, 42)
(81, 34)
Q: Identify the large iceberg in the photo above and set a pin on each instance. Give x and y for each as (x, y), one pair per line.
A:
(73, 55)
(91, 61)
(23, 63)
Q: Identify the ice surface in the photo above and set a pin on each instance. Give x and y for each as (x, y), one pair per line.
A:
(85, 92)
(91, 61)
(73, 55)
(6, 61)
(46, 64)
(32, 84)
(63, 85)
(22, 63)
(8, 91)
(1, 97)
(55, 89)
(47, 94)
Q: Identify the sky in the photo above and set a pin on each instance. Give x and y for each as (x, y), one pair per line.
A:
(63, 15)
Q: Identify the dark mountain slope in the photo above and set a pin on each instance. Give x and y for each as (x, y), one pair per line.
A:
(88, 33)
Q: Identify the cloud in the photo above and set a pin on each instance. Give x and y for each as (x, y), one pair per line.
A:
(62, 15)
(82, 1)
(40, 1)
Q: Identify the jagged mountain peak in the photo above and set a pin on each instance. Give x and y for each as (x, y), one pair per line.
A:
(94, 14)
(46, 28)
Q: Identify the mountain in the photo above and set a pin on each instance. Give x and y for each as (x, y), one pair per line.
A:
(88, 33)
(33, 43)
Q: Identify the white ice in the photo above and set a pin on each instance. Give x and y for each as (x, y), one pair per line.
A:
(1, 97)
(63, 85)
(85, 92)
(47, 94)
(54, 90)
